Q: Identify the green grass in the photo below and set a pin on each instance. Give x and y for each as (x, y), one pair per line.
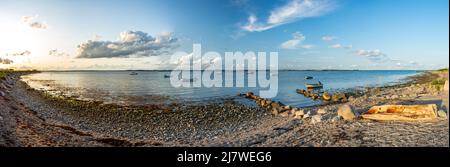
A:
(443, 70)
(438, 82)
(3, 74)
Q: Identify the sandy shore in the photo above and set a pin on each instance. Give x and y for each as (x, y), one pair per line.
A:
(32, 118)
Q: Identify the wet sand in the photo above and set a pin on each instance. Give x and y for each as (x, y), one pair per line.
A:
(33, 118)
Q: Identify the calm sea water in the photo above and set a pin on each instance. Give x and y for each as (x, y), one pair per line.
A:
(149, 87)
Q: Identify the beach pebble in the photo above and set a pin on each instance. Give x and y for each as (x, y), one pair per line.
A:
(284, 114)
(307, 115)
(346, 112)
(298, 114)
(287, 107)
(321, 111)
(316, 119)
(394, 97)
(2, 94)
(336, 119)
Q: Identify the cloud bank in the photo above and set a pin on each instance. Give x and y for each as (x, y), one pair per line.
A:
(130, 44)
(294, 10)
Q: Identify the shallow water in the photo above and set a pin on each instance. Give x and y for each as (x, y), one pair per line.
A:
(151, 87)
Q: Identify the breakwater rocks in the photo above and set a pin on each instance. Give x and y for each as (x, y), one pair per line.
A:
(325, 96)
(277, 108)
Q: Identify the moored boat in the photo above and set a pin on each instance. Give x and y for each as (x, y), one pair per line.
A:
(312, 86)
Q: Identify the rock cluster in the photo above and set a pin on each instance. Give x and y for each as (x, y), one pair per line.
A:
(277, 108)
(336, 97)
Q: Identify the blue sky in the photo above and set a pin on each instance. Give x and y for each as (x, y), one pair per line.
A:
(308, 34)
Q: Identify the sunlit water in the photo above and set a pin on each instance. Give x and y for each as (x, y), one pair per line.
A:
(151, 87)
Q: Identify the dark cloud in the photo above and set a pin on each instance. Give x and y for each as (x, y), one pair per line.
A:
(5, 61)
(130, 44)
(24, 53)
(57, 53)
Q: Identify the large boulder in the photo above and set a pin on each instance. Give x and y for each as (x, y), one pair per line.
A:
(346, 112)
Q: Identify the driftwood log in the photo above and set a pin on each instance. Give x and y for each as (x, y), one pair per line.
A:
(402, 112)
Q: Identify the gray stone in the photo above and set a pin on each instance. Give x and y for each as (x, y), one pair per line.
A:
(2, 94)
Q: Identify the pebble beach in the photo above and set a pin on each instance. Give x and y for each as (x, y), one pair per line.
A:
(30, 117)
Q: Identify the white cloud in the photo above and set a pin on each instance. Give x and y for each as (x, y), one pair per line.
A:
(5, 61)
(296, 42)
(328, 38)
(338, 46)
(130, 44)
(29, 20)
(369, 53)
(373, 55)
(294, 10)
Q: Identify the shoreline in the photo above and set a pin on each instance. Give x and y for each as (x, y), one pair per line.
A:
(30, 118)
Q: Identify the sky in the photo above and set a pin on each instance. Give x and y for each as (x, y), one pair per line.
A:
(307, 34)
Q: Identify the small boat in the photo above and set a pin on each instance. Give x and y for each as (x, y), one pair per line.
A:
(308, 77)
(167, 76)
(134, 73)
(312, 86)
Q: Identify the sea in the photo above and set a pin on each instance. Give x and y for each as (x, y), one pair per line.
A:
(152, 87)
